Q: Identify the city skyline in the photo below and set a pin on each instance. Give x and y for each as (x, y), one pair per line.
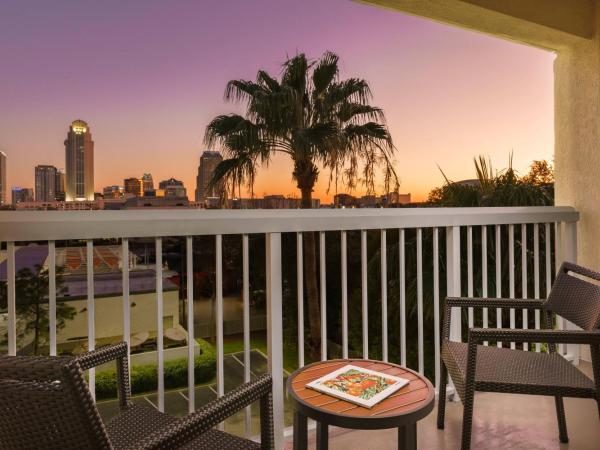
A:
(462, 94)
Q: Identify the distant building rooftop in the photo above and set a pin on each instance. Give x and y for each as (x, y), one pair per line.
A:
(111, 284)
(26, 257)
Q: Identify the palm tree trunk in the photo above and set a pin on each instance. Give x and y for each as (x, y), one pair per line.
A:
(312, 287)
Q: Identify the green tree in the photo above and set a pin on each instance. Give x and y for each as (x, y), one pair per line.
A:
(318, 121)
(31, 292)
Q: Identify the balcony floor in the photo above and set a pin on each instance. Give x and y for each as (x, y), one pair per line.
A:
(500, 421)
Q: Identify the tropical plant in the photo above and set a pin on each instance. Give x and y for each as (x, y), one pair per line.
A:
(319, 122)
(503, 188)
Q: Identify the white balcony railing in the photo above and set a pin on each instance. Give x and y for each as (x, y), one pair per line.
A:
(553, 230)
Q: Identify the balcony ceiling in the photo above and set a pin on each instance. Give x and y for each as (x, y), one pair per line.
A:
(549, 24)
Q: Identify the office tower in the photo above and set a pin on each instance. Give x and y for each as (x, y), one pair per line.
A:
(59, 185)
(172, 188)
(113, 191)
(148, 183)
(45, 183)
(20, 195)
(134, 186)
(3, 186)
(79, 158)
(208, 162)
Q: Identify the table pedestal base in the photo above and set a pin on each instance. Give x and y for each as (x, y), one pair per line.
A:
(407, 437)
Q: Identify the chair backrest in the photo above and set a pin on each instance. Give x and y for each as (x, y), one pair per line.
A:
(575, 296)
(45, 403)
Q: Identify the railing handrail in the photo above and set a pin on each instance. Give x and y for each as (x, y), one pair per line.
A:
(64, 225)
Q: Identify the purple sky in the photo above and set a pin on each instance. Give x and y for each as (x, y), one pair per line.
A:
(148, 76)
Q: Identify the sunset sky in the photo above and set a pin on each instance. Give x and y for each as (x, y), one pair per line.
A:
(148, 76)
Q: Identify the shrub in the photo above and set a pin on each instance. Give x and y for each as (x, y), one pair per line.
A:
(144, 378)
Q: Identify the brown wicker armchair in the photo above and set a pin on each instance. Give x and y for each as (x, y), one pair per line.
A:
(575, 296)
(45, 403)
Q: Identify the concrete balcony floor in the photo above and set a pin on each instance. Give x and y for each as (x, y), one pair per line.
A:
(500, 421)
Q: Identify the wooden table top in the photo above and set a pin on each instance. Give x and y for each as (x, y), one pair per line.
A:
(411, 403)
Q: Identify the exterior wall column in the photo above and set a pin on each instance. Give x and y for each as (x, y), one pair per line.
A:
(577, 145)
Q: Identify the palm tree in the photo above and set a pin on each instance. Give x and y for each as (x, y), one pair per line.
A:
(318, 121)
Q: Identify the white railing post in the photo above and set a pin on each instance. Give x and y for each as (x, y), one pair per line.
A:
(275, 330)
(11, 300)
(453, 287)
(453, 278)
(569, 252)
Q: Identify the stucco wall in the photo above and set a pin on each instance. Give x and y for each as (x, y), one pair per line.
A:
(577, 146)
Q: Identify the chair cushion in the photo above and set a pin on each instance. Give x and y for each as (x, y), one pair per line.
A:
(139, 421)
(517, 371)
(215, 439)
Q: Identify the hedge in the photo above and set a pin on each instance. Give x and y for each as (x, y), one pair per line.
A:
(144, 378)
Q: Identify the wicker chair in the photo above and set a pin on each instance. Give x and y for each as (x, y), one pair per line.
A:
(46, 403)
(474, 367)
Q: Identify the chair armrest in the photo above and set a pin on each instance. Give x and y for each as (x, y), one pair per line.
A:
(548, 336)
(116, 352)
(102, 355)
(482, 302)
(199, 422)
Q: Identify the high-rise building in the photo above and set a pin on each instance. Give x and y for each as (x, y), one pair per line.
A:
(79, 158)
(113, 192)
(3, 186)
(22, 195)
(208, 163)
(45, 183)
(148, 183)
(59, 185)
(172, 188)
(134, 186)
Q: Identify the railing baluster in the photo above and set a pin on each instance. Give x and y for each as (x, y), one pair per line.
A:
(453, 281)
(11, 301)
(323, 288)
(159, 324)
(569, 248)
(246, 314)
(344, 256)
(90, 311)
(436, 305)
(470, 271)
(52, 296)
(275, 330)
(219, 316)
(524, 278)
(498, 277)
(558, 258)
(420, 350)
(511, 274)
(189, 249)
(536, 275)
(484, 274)
(384, 315)
(126, 299)
(402, 268)
(364, 287)
(300, 297)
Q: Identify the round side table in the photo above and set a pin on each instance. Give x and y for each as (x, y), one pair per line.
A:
(401, 410)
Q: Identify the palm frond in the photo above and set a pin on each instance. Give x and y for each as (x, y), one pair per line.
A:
(325, 72)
